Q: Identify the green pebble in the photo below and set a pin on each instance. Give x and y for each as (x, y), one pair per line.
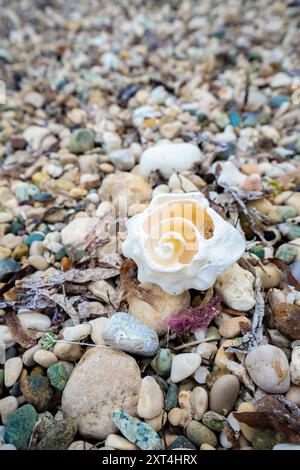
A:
(213, 331)
(200, 434)
(58, 376)
(286, 212)
(214, 421)
(44, 424)
(19, 426)
(258, 250)
(82, 140)
(171, 400)
(34, 237)
(286, 253)
(293, 231)
(59, 435)
(26, 191)
(162, 363)
(61, 253)
(16, 226)
(137, 431)
(264, 439)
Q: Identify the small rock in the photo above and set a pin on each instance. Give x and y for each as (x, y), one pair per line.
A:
(67, 352)
(157, 316)
(76, 231)
(37, 391)
(169, 158)
(181, 443)
(35, 99)
(125, 332)
(44, 358)
(286, 253)
(170, 130)
(8, 447)
(6, 336)
(207, 350)
(171, 400)
(78, 332)
(214, 421)
(246, 430)
(119, 443)
(200, 434)
(162, 363)
(37, 137)
(158, 422)
(270, 275)
(184, 365)
(136, 431)
(295, 270)
(201, 375)
(38, 262)
(98, 326)
(91, 397)
(268, 367)
(235, 287)
(59, 436)
(223, 394)
(35, 321)
(232, 328)
(122, 159)
(111, 142)
(20, 426)
(123, 187)
(8, 267)
(7, 406)
(12, 370)
(147, 407)
(58, 376)
(34, 237)
(82, 140)
(80, 445)
(295, 366)
(199, 401)
(293, 395)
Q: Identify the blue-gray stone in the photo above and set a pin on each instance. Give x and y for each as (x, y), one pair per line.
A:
(34, 237)
(171, 400)
(295, 269)
(26, 191)
(8, 267)
(125, 332)
(286, 253)
(181, 443)
(137, 431)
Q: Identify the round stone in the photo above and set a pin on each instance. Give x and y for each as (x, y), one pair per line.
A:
(184, 365)
(268, 367)
(223, 394)
(147, 407)
(102, 381)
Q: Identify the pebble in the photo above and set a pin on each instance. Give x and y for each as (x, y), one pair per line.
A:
(59, 436)
(91, 398)
(124, 188)
(111, 142)
(127, 333)
(286, 447)
(166, 306)
(179, 417)
(270, 275)
(235, 287)
(8, 447)
(223, 394)
(199, 401)
(200, 434)
(287, 253)
(98, 325)
(184, 365)
(19, 426)
(295, 366)
(44, 358)
(122, 159)
(295, 270)
(170, 130)
(67, 352)
(8, 267)
(136, 431)
(169, 158)
(37, 392)
(147, 407)
(82, 140)
(78, 332)
(80, 445)
(37, 137)
(12, 370)
(38, 262)
(201, 375)
(7, 406)
(34, 237)
(6, 336)
(214, 421)
(246, 407)
(76, 231)
(35, 321)
(119, 443)
(207, 350)
(293, 395)
(181, 443)
(171, 400)
(268, 367)
(232, 328)
(158, 422)
(162, 363)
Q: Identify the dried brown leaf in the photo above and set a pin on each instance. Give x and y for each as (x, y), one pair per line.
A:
(12, 321)
(129, 282)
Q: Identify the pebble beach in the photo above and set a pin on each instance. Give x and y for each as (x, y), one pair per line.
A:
(149, 225)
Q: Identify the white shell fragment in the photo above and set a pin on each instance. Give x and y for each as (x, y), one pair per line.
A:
(169, 158)
(180, 243)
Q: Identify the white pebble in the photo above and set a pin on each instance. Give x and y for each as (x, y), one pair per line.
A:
(38, 262)
(12, 370)
(35, 321)
(148, 407)
(6, 336)
(45, 358)
(184, 365)
(199, 402)
(98, 325)
(28, 356)
(78, 332)
(7, 406)
(119, 443)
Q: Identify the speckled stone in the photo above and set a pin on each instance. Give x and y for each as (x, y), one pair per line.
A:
(181, 443)
(59, 436)
(19, 426)
(137, 431)
(127, 333)
(200, 434)
(58, 376)
(8, 267)
(37, 391)
(171, 400)
(214, 421)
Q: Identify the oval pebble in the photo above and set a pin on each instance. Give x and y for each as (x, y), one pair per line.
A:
(148, 407)
(184, 365)
(78, 332)
(35, 321)
(38, 262)
(44, 358)
(12, 370)
(223, 394)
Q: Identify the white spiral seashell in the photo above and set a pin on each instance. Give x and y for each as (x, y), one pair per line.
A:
(180, 243)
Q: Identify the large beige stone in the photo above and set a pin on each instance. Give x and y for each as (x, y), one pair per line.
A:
(103, 380)
(157, 316)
